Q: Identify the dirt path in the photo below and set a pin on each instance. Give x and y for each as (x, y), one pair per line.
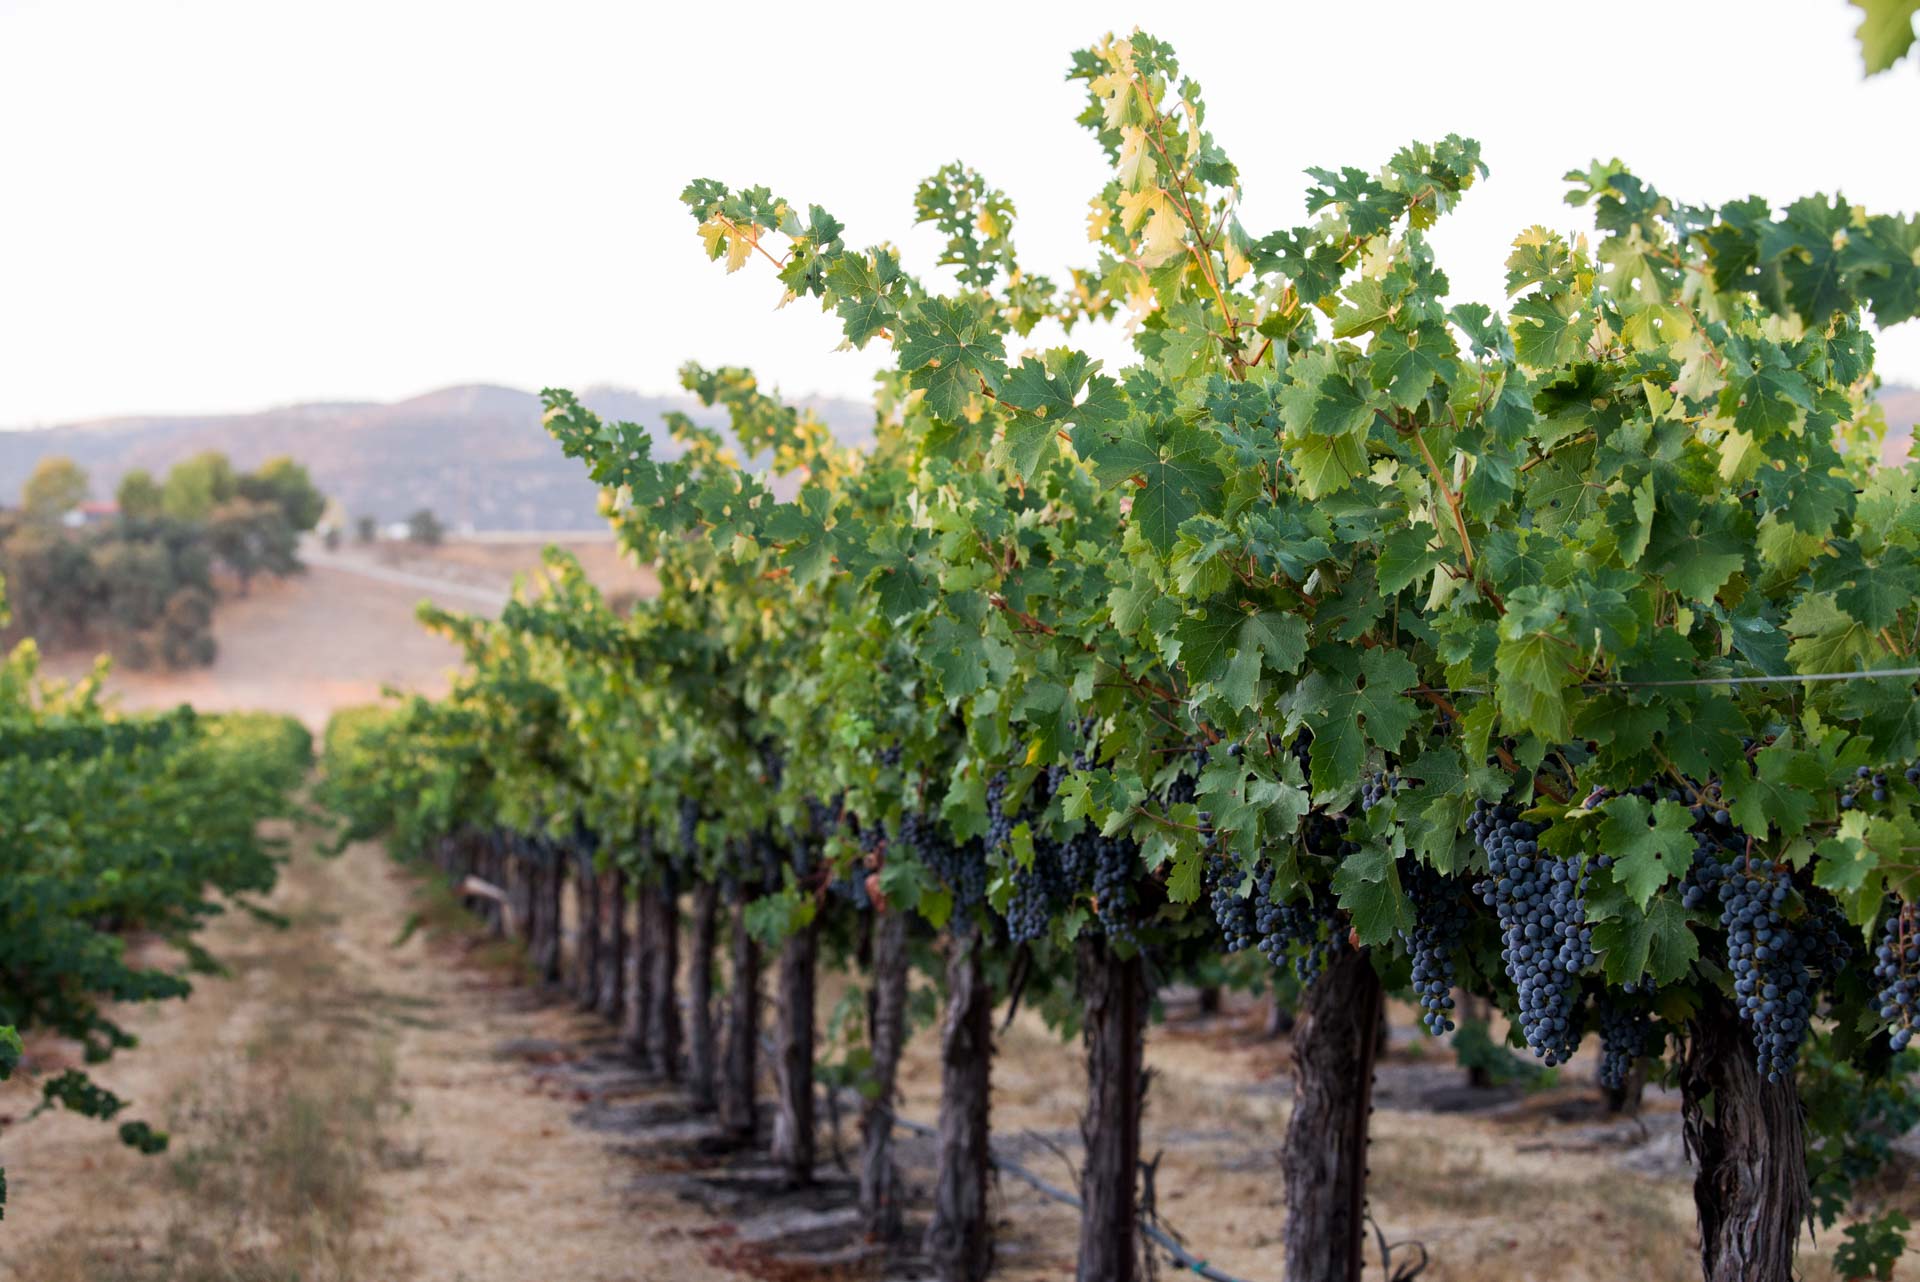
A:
(490, 600)
(340, 1109)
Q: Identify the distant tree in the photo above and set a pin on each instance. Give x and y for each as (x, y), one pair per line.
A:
(253, 537)
(139, 495)
(286, 483)
(58, 485)
(52, 583)
(186, 630)
(365, 529)
(424, 527)
(194, 487)
(136, 580)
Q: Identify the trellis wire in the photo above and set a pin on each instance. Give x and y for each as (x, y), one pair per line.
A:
(1799, 677)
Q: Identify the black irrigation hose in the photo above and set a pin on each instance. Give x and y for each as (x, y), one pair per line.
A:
(1186, 1259)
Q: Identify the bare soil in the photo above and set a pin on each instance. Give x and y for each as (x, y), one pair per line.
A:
(308, 645)
(496, 561)
(345, 1106)
(335, 635)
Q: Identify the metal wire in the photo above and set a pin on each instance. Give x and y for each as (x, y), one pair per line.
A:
(1878, 674)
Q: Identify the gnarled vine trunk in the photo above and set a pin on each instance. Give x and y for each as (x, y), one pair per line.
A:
(613, 984)
(702, 1052)
(589, 943)
(520, 865)
(636, 1027)
(958, 1239)
(1113, 999)
(661, 905)
(880, 1190)
(1747, 1140)
(553, 889)
(793, 1130)
(1324, 1163)
(740, 1065)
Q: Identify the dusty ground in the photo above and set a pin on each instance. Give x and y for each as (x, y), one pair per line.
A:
(307, 645)
(337, 635)
(340, 1109)
(494, 561)
(1465, 1186)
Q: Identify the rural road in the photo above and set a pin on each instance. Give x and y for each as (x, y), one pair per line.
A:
(491, 598)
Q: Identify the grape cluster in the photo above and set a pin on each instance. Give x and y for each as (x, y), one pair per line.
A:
(1897, 968)
(1185, 788)
(1305, 928)
(1038, 892)
(963, 867)
(1873, 783)
(1771, 989)
(1302, 749)
(1546, 941)
(1441, 915)
(999, 822)
(1624, 1031)
(890, 755)
(1776, 955)
(1713, 852)
(1041, 888)
(1376, 788)
(1778, 950)
(851, 886)
(1232, 911)
(1114, 896)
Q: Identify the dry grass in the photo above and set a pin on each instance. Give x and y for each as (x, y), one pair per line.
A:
(270, 1177)
(1484, 1199)
(340, 1110)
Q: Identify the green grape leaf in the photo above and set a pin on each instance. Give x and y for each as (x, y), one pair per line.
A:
(1650, 845)
(1176, 477)
(1547, 330)
(1348, 701)
(1406, 556)
(1782, 794)
(1657, 943)
(1320, 400)
(952, 353)
(1368, 886)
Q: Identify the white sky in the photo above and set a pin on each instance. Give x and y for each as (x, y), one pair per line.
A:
(222, 206)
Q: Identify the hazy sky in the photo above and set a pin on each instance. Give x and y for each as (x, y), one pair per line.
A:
(214, 206)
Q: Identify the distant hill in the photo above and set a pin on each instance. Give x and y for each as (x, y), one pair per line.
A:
(1902, 405)
(476, 455)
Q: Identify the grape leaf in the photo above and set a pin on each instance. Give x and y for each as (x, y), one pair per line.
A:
(1657, 942)
(1782, 793)
(1650, 845)
(1368, 887)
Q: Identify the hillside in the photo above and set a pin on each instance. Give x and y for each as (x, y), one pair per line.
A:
(476, 455)
(1902, 405)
